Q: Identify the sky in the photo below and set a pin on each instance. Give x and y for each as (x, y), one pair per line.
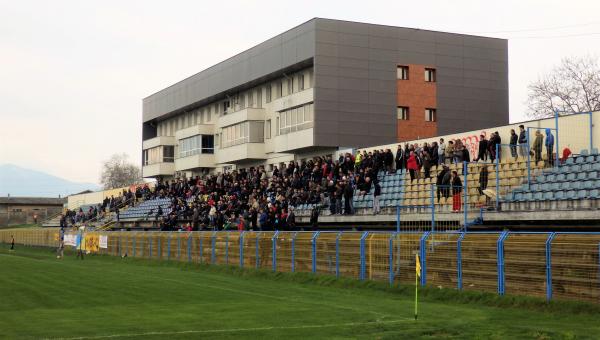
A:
(73, 73)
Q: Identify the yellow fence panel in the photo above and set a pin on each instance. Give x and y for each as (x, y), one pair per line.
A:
(525, 264)
(576, 267)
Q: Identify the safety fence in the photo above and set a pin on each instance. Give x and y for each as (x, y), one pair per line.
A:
(550, 265)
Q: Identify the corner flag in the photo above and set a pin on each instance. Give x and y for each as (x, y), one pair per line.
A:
(417, 276)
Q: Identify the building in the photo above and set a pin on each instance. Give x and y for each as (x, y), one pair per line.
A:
(26, 210)
(322, 85)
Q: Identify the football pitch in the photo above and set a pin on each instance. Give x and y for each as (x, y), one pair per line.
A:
(106, 297)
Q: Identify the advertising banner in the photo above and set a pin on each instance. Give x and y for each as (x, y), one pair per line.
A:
(103, 241)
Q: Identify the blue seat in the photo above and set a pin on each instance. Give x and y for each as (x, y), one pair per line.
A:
(571, 194)
(518, 196)
(594, 151)
(581, 176)
(569, 161)
(592, 175)
(561, 177)
(575, 168)
(555, 186)
(550, 178)
(549, 196)
(570, 177)
(594, 193)
(590, 159)
(596, 166)
(586, 167)
(538, 196)
(541, 178)
(580, 160)
(559, 195)
(535, 187)
(528, 196)
(584, 152)
(581, 194)
(576, 185)
(588, 184)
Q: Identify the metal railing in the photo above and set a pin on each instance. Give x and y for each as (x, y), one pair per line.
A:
(545, 264)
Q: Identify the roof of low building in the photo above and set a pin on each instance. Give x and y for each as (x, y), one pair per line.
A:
(33, 200)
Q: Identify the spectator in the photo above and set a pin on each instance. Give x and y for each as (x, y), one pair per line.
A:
(412, 166)
(426, 164)
(482, 151)
(441, 151)
(537, 145)
(456, 192)
(314, 219)
(348, 197)
(291, 220)
(376, 194)
(399, 159)
(483, 179)
(523, 141)
(389, 161)
(565, 154)
(439, 181)
(513, 143)
(550, 147)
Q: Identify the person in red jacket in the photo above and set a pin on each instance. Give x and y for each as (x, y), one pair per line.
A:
(242, 224)
(412, 165)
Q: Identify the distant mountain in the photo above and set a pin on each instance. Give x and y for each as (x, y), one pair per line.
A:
(18, 181)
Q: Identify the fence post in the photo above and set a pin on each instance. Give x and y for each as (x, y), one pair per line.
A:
(201, 255)
(423, 251)
(274, 242)
(178, 247)
(549, 266)
(391, 258)
(432, 201)
(294, 252)
(314, 251)
(528, 161)
(242, 249)
(169, 246)
(337, 255)
(256, 249)
(459, 279)
(158, 248)
(363, 261)
(397, 218)
(227, 247)
(591, 114)
(465, 194)
(213, 257)
(557, 145)
(189, 247)
(500, 260)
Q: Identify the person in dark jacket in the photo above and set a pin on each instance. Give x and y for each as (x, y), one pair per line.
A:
(456, 191)
(513, 143)
(314, 219)
(522, 141)
(389, 161)
(399, 159)
(439, 181)
(483, 179)
(376, 194)
(483, 149)
(348, 196)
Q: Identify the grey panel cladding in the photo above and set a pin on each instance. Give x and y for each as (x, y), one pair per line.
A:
(355, 80)
(283, 51)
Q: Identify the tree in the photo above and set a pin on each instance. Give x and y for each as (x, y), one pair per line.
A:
(118, 172)
(573, 86)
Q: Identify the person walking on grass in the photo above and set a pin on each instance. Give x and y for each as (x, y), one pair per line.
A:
(60, 252)
(12, 243)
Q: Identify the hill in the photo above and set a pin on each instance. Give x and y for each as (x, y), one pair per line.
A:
(18, 181)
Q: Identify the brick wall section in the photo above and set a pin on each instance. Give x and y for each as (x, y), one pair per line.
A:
(416, 94)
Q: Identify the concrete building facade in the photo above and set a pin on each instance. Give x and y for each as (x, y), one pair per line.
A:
(322, 85)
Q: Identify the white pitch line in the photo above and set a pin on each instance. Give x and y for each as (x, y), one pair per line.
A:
(231, 330)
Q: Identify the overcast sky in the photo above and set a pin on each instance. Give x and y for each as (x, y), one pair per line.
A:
(73, 73)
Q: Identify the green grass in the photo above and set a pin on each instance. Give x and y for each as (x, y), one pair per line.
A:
(102, 296)
(17, 226)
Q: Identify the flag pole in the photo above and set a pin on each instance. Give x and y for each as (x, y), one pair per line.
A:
(417, 275)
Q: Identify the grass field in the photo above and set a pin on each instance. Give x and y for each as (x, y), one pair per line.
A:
(108, 297)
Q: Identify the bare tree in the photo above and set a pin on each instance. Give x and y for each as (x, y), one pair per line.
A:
(118, 172)
(573, 86)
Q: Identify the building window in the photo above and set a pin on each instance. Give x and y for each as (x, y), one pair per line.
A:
(402, 72)
(250, 98)
(279, 89)
(402, 112)
(208, 144)
(269, 92)
(268, 129)
(295, 119)
(259, 98)
(226, 105)
(301, 82)
(430, 75)
(168, 153)
(430, 115)
(290, 85)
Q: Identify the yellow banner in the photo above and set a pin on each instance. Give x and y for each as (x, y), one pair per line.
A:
(91, 243)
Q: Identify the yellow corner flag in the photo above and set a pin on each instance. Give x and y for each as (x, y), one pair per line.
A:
(417, 276)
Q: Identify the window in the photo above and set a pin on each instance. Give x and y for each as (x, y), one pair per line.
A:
(259, 98)
(430, 115)
(430, 75)
(279, 89)
(208, 144)
(226, 105)
(268, 90)
(295, 119)
(300, 82)
(402, 72)
(168, 153)
(290, 85)
(251, 99)
(207, 114)
(402, 112)
(268, 129)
